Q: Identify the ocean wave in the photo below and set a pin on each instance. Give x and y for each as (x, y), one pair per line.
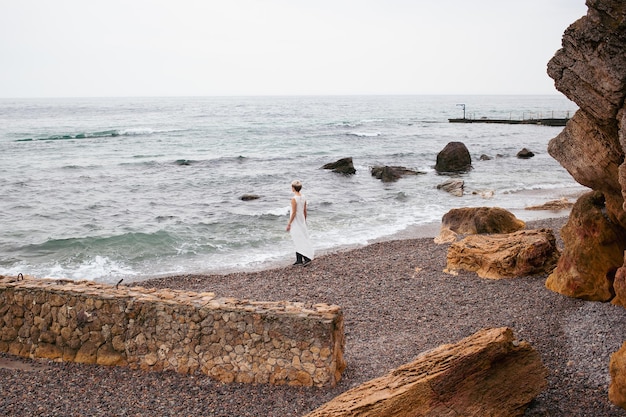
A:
(276, 212)
(137, 131)
(101, 268)
(96, 267)
(539, 187)
(132, 244)
(364, 134)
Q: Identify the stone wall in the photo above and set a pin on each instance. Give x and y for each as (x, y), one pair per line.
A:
(225, 338)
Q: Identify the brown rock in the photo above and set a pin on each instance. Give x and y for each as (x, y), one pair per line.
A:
(48, 351)
(592, 156)
(590, 69)
(108, 356)
(553, 205)
(454, 187)
(525, 154)
(392, 173)
(454, 157)
(594, 250)
(87, 353)
(249, 197)
(619, 286)
(486, 374)
(343, 166)
(473, 220)
(526, 252)
(445, 236)
(617, 369)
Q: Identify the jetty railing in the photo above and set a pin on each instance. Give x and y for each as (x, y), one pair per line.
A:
(551, 118)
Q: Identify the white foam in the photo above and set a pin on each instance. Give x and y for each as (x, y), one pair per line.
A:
(364, 134)
(136, 131)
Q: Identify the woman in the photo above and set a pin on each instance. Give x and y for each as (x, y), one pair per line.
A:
(297, 226)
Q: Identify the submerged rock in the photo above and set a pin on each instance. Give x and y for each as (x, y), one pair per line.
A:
(392, 173)
(249, 197)
(525, 154)
(343, 166)
(454, 187)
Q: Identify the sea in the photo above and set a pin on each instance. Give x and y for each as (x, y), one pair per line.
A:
(105, 189)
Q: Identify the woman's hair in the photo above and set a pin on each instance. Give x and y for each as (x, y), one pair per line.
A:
(297, 185)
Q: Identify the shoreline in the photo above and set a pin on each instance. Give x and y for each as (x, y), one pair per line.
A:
(415, 231)
(397, 304)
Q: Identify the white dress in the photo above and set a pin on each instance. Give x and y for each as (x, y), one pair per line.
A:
(299, 232)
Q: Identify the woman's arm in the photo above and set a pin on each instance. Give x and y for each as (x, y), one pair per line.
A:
(293, 213)
(305, 210)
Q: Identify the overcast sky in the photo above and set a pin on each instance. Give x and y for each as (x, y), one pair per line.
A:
(75, 48)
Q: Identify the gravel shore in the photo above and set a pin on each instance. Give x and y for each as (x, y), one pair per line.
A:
(397, 303)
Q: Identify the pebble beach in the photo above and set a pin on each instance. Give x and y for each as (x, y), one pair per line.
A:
(397, 303)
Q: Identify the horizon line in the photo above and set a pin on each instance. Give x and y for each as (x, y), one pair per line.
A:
(555, 93)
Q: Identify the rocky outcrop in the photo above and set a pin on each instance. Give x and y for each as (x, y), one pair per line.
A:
(454, 187)
(453, 158)
(619, 286)
(523, 253)
(525, 154)
(473, 220)
(392, 173)
(487, 374)
(343, 166)
(617, 369)
(553, 205)
(590, 69)
(594, 249)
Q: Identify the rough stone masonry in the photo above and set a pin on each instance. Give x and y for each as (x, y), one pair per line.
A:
(225, 338)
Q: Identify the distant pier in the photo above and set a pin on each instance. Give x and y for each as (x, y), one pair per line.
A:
(542, 122)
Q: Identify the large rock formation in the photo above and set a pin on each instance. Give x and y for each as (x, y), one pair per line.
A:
(487, 374)
(593, 253)
(454, 157)
(590, 69)
(526, 252)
